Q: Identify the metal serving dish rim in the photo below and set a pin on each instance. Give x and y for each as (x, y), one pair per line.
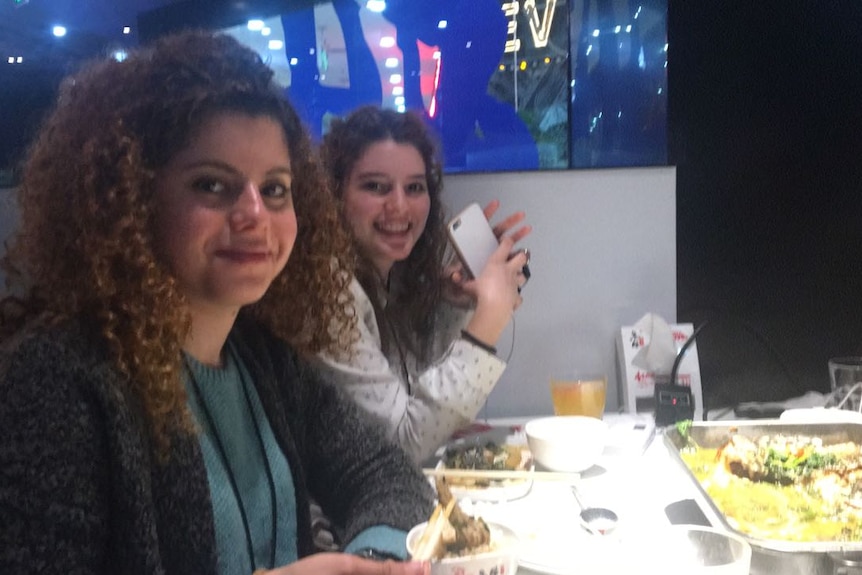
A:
(838, 430)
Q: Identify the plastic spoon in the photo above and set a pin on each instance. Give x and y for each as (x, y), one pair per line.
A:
(596, 520)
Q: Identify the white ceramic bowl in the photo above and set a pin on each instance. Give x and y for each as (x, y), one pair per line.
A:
(569, 443)
(697, 550)
(502, 558)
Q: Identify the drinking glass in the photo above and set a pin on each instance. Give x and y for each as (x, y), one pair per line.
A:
(579, 394)
(845, 376)
(699, 550)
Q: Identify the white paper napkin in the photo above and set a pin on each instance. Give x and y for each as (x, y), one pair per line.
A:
(658, 355)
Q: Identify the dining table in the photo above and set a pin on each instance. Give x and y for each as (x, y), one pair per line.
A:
(636, 476)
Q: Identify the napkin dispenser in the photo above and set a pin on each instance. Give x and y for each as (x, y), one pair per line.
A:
(646, 354)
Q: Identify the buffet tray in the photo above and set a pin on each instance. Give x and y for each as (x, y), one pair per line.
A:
(770, 555)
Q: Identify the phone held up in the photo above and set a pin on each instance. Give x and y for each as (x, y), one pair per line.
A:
(473, 239)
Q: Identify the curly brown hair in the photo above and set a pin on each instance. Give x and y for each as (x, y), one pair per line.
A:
(419, 277)
(85, 247)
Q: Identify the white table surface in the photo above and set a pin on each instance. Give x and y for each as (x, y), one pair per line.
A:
(636, 484)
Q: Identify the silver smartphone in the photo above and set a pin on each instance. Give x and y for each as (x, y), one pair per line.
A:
(473, 238)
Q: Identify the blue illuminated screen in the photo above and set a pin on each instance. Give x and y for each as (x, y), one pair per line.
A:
(505, 85)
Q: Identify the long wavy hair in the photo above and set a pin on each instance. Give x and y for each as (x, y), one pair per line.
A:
(416, 281)
(85, 251)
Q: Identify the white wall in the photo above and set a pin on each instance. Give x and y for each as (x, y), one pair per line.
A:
(603, 253)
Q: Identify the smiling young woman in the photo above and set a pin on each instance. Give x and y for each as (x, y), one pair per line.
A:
(423, 360)
(157, 410)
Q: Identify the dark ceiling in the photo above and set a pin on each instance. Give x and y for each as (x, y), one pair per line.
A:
(96, 27)
(33, 60)
(93, 27)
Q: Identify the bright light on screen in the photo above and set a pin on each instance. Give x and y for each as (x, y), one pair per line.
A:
(487, 75)
(260, 35)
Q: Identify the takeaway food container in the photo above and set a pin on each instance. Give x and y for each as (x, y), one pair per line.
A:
(776, 556)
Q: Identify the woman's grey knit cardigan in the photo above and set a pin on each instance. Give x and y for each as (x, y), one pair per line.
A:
(80, 491)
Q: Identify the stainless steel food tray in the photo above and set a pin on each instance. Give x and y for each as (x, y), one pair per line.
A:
(772, 556)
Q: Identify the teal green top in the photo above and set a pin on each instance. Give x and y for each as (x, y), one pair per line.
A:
(235, 421)
(235, 424)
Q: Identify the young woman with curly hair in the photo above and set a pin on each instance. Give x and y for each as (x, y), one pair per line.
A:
(424, 360)
(174, 272)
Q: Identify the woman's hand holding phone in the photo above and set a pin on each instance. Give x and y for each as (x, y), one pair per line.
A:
(496, 289)
(508, 224)
(469, 247)
(496, 292)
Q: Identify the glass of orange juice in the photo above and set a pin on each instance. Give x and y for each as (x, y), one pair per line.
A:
(579, 395)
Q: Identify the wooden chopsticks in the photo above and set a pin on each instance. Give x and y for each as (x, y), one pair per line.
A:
(492, 474)
(430, 538)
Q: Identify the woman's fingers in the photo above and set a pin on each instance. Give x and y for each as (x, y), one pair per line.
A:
(346, 564)
(521, 233)
(453, 288)
(504, 250)
(525, 269)
(491, 209)
(519, 263)
(510, 222)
